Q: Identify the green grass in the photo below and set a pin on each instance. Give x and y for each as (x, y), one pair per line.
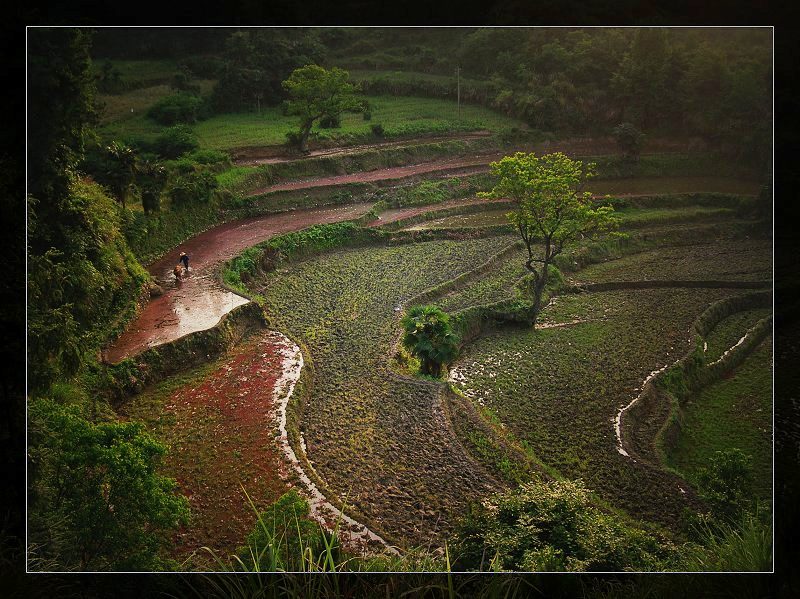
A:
(728, 332)
(399, 116)
(735, 412)
(123, 115)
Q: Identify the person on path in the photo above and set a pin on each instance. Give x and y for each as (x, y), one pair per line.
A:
(185, 259)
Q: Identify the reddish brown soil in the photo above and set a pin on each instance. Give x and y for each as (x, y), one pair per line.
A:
(199, 301)
(386, 174)
(222, 439)
(575, 147)
(273, 155)
(395, 214)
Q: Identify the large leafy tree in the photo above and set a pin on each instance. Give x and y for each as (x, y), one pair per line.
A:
(551, 208)
(428, 335)
(107, 507)
(316, 92)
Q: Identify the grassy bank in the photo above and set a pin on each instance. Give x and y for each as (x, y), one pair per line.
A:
(398, 116)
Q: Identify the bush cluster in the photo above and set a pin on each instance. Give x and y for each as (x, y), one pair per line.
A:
(178, 108)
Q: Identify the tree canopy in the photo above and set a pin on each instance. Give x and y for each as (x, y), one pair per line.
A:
(551, 210)
(108, 508)
(315, 93)
(553, 526)
(429, 336)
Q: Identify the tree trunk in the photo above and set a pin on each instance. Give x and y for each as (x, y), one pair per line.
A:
(538, 290)
(430, 367)
(305, 131)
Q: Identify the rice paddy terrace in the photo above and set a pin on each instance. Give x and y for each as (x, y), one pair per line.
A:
(319, 401)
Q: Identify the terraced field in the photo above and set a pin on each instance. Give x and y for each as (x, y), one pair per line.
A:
(217, 420)
(728, 332)
(559, 389)
(725, 259)
(380, 441)
(629, 217)
(734, 412)
(497, 285)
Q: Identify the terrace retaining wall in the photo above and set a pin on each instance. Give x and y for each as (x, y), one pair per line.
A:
(131, 375)
(651, 427)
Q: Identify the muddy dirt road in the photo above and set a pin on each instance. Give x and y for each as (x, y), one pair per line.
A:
(271, 155)
(475, 162)
(198, 301)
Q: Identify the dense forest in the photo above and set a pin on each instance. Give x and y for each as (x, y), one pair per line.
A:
(101, 204)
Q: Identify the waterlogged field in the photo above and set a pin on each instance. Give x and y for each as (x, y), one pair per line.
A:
(735, 412)
(729, 260)
(378, 441)
(559, 389)
(488, 218)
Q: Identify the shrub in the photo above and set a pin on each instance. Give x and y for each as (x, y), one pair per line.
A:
(727, 484)
(552, 526)
(429, 336)
(377, 130)
(210, 157)
(629, 139)
(196, 187)
(176, 141)
(331, 121)
(177, 108)
(98, 500)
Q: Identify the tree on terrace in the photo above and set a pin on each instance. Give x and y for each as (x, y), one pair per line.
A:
(551, 209)
(428, 335)
(315, 92)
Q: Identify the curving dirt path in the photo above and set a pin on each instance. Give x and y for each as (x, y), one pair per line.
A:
(199, 301)
(269, 155)
(386, 174)
(472, 164)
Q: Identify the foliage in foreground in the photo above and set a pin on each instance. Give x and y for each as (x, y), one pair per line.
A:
(552, 526)
(97, 501)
